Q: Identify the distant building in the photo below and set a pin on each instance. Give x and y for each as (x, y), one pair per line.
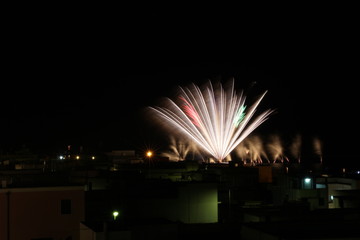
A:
(117, 157)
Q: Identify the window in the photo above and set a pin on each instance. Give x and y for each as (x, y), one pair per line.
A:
(66, 206)
(320, 185)
(307, 183)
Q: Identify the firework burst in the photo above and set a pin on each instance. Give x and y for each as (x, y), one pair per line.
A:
(216, 119)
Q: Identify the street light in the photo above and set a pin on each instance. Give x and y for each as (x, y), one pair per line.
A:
(115, 214)
(149, 154)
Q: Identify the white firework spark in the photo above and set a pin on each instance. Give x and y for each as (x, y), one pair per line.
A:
(216, 119)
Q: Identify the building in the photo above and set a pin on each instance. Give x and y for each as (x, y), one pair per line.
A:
(41, 213)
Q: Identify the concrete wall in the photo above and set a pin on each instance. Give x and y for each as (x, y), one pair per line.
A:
(36, 213)
(194, 203)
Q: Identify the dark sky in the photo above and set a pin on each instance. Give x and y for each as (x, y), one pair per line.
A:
(85, 81)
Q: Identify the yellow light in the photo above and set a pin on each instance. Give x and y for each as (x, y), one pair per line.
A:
(149, 153)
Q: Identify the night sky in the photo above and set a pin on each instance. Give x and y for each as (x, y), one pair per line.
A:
(86, 82)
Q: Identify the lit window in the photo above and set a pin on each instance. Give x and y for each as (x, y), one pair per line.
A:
(307, 183)
(320, 185)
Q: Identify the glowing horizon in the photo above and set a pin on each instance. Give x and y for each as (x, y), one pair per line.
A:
(216, 119)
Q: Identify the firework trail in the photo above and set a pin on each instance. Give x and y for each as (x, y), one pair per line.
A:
(276, 149)
(317, 144)
(295, 147)
(216, 119)
(251, 149)
(179, 149)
